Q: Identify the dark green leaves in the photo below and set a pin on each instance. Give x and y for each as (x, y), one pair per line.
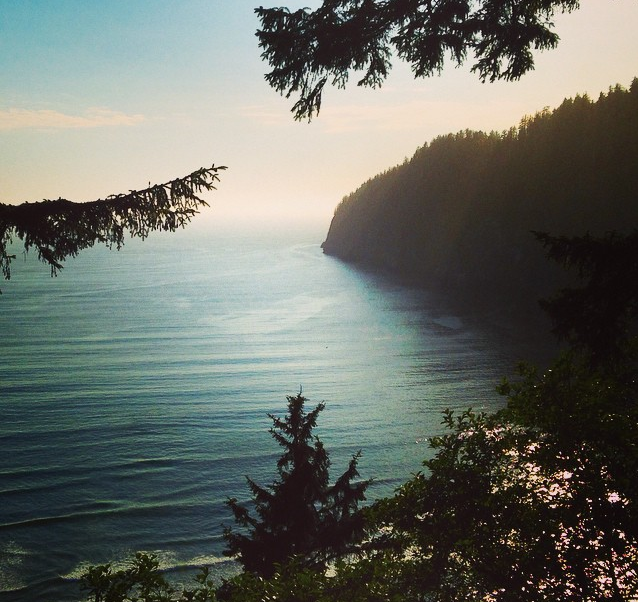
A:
(141, 581)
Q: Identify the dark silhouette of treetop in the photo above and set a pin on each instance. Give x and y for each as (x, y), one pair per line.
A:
(300, 515)
(309, 48)
(596, 317)
(60, 228)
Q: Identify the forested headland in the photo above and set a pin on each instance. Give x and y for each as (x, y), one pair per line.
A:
(459, 215)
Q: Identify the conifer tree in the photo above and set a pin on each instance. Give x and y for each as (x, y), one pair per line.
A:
(300, 515)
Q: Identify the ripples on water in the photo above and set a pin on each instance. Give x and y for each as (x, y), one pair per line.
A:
(135, 387)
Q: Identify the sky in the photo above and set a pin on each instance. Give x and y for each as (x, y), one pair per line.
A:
(104, 97)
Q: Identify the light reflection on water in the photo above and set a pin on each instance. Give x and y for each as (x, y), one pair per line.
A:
(135, 389)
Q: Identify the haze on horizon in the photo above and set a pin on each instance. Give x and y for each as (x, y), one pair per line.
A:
(103, 98)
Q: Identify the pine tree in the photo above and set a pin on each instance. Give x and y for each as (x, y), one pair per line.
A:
(300, 515)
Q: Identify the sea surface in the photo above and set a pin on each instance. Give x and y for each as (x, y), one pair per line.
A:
(135, 389)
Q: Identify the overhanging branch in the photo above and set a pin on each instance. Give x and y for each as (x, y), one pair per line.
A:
(60, 228)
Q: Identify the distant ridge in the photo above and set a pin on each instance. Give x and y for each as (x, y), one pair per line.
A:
(458, 216)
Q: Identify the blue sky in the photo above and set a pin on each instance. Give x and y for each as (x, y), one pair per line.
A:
(102, 97)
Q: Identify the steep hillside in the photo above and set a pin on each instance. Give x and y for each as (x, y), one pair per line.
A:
(458, 216)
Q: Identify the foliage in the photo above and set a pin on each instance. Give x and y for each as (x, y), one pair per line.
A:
(512, 511)
(291, 582)
(300, 515)
(309, 48)
(351, 581)
(142, 581)
(596, 318)
(61, 228)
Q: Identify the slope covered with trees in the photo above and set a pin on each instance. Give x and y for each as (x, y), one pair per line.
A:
(460, 215)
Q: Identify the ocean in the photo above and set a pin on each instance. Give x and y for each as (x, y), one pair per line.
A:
(135, 389)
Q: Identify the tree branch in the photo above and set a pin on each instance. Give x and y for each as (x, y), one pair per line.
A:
(306, 48)
(60, 228)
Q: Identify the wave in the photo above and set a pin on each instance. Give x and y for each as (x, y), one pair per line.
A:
(44, 488)
(12, 557)
(168, 563)
(76, 474)
(102, 510)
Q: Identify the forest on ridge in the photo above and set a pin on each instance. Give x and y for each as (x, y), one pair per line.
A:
(458, 216)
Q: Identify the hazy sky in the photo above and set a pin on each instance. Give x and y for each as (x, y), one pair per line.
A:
(99, 97)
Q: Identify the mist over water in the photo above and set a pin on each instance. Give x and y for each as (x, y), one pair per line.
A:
(135, 389)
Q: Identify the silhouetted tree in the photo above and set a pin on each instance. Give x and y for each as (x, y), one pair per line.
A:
(309, 48)
(537, 502)
(61, 228)
(598, 316)
(300, 515)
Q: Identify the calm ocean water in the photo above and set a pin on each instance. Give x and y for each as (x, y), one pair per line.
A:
(135, 389)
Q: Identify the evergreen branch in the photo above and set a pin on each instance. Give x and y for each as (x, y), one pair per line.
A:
(307, 49)
(61, 228)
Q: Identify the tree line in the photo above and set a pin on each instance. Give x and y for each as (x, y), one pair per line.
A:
(460, 214)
